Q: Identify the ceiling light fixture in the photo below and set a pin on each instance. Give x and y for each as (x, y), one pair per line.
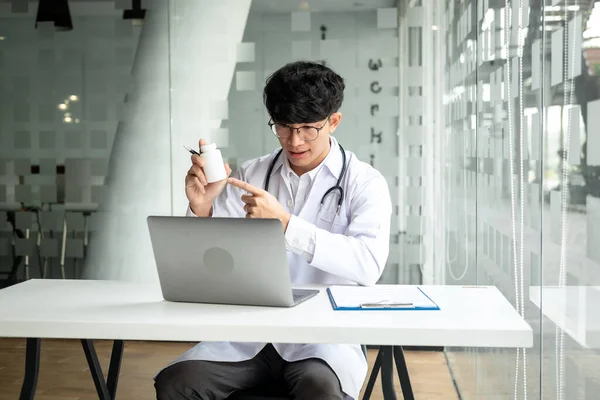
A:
(136, 13)
(56, 11)
(68, 118)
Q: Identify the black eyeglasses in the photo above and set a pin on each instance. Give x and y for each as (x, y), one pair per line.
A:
(307, 133)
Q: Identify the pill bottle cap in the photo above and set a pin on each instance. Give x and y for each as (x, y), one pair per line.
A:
(208, 147)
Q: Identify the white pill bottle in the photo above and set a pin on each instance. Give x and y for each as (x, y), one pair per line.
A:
(214, 167)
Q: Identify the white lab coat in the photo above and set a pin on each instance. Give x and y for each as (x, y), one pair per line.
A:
(350, 248)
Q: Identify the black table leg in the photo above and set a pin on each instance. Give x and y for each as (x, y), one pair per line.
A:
(107, 390)
(115, 367)
(403, 373)
(95, 369)
(373, 377)
(387, 372)
(385, 360)
(32, 368)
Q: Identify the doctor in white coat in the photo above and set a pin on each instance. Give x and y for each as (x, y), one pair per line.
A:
(343, 241)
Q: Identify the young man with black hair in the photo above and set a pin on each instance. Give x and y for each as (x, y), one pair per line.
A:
(340, 243)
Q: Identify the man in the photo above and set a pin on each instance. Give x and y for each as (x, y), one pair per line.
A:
(336, 243)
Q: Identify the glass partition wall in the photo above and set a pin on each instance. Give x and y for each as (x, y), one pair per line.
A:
(71, 83)
(520, 137)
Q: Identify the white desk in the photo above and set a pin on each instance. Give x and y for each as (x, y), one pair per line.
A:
(78, 309)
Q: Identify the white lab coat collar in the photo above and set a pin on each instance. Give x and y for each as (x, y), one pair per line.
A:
(333, 162)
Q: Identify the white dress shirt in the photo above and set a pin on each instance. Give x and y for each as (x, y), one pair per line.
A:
(324, 248)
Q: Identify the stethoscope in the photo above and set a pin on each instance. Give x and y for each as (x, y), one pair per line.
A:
(332, 189)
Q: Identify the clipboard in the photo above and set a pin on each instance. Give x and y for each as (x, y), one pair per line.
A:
(380, 298)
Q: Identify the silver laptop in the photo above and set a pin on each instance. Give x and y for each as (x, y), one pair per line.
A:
(224, 261)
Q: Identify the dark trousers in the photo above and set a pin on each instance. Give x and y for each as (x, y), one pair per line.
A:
(310, 379)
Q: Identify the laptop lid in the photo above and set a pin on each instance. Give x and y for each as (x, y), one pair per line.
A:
(221, 260)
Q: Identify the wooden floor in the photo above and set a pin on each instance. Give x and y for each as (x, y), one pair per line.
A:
(64, 374)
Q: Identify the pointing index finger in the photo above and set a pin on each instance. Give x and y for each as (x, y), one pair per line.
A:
(245, 186)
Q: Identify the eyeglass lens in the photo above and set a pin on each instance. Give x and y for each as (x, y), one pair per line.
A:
(305, 132)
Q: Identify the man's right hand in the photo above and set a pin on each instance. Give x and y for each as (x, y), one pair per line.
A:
(199, 192)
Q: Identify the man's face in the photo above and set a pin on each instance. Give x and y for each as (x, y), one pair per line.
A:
(300, 146)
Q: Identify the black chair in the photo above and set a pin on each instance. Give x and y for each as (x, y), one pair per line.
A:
(268, 392)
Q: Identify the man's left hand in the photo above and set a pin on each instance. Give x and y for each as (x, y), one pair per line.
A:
(261, 204)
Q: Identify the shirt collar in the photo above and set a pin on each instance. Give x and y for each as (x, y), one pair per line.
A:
(333, 162)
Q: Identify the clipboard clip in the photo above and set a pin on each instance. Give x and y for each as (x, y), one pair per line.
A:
(386, 304)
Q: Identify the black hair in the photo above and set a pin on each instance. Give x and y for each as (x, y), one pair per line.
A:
(302, 92)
